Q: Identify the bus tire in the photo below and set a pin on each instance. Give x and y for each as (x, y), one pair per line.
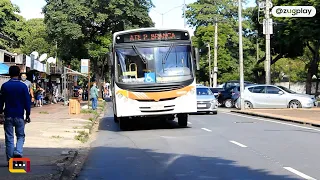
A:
(115, 118)
(183, 120)
(123, 123)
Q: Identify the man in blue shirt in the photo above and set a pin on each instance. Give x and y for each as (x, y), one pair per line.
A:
(16, 99)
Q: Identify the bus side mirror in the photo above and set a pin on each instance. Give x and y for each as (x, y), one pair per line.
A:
(196, 51)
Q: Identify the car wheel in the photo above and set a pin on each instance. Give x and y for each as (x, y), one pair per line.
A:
(237, 105)
(248, 105)
(215, 112)
(294, 104)
(228, 103)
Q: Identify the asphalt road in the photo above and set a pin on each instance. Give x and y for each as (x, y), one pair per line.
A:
(223, 146)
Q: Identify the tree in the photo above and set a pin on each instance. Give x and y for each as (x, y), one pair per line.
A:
(37, 38)
(12, 26)
(202, 15)
(289, 69)
(83, 28)
(293, 35)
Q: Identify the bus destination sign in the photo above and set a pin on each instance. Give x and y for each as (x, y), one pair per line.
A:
(152, 36)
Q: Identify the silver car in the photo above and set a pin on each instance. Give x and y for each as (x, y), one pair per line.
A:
(206, 100)
(270, 96)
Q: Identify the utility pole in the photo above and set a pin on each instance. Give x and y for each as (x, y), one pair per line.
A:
(215, 60)
(210, 79)
(257, 41)
(184, 13)
(241, 55)
(65, 85)
(162, 18)
(267, 31)
(89, 84)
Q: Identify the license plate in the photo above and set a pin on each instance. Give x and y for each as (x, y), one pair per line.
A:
(202, 105)
(158, 107)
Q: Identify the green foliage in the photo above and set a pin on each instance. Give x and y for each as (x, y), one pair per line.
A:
(203, 15)
(288, 68)
(82, 136)
(37, 38)
(12, 26)
(83, 28)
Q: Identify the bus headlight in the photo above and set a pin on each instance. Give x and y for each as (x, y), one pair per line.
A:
(119, 96)
(191, 92)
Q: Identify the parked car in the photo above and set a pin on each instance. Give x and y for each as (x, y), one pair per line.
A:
(270, 96)
(234, 83)
(216, 91)
(206, 101)
(225, 96)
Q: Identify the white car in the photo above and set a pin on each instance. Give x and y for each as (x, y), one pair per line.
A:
(270, 96)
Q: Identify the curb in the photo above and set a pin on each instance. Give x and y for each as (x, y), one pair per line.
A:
(72, 169)
(276, 118)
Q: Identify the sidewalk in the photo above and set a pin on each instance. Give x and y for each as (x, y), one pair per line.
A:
(49, 137)
(304, 116)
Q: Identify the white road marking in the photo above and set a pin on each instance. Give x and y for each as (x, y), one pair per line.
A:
(299, 173)
(172, 159)
(189, 123)
(206, 129)
(239, 144)
(283, 123)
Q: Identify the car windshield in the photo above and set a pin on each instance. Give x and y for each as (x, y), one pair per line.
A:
(204, 91)
(154, 64)
(215, 90)
(287, 90)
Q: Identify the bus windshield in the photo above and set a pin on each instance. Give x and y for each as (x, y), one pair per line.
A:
(154, 64)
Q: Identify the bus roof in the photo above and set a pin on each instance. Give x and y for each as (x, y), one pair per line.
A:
(148, 29)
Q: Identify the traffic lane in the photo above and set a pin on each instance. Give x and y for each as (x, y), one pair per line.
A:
(284, 143)
(205, 155)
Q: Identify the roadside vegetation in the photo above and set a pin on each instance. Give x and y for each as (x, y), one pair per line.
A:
(81, 29)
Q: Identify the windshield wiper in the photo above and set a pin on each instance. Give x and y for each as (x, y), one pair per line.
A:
(167, 54)
(139, 54)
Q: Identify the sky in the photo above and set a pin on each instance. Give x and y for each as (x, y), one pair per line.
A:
(171, 9)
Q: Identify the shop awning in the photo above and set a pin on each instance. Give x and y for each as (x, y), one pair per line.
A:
(4, 69)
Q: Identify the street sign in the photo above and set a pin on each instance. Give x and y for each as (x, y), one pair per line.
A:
(84, 66)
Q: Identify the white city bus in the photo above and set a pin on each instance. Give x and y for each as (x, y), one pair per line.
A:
(153, 75)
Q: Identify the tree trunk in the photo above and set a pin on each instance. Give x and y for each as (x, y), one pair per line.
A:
(313, 67)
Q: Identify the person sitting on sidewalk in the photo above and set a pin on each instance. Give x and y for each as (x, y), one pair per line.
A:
(14, 102)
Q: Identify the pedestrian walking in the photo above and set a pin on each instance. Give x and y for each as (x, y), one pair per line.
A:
(28, 84)
(94, 96)
(14, 103)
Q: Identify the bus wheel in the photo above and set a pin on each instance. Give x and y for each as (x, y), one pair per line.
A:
(115, 118)
(123, 122)
(183, 120)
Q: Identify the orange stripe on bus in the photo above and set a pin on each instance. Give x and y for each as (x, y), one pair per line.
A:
(155, 95)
